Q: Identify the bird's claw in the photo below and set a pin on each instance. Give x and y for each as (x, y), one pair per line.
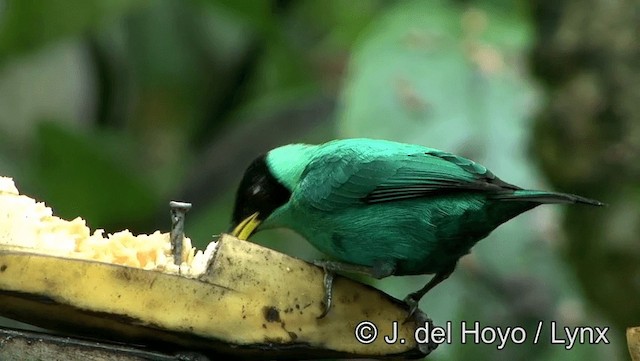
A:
(413, 306)
(421, 320)
(328, 288)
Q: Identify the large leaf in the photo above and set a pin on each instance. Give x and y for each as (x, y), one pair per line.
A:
(91, 176)
(28, 24)
(454, 78)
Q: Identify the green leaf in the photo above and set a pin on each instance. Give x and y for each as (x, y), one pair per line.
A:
(28, 24)
(256, 14)
(418, 74)
(92, 177)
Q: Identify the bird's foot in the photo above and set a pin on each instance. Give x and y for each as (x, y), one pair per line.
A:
(331, 267)
(334, 266)
(328, 288)
(412, 300)
(421, 320)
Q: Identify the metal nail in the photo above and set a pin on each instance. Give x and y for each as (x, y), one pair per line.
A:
(178, 212)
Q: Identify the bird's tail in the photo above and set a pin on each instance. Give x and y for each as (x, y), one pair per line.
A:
(544, 197)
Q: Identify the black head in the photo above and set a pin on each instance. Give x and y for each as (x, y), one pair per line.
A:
(259, 191)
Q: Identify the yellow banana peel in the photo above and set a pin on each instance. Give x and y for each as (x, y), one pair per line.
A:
(235, 298)
(633, 342)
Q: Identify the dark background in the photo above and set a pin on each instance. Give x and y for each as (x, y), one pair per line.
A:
(109, 109)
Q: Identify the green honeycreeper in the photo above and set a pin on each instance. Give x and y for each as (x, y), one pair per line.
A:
(379, 207)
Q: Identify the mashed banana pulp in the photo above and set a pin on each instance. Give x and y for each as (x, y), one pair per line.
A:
(30, 226)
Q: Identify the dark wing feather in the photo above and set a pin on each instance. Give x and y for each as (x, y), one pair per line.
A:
(435, 173)
(333, 181)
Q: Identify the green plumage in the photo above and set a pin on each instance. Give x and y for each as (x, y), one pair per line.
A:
(393, 206)
(380, 207)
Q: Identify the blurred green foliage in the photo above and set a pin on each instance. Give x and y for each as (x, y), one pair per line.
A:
(110, 109)
(28, 25)
(104, 165)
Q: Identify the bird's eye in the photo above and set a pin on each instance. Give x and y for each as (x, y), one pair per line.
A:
(255, 190)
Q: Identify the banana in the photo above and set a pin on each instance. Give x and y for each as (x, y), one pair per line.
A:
(633, 342)
(235, 298)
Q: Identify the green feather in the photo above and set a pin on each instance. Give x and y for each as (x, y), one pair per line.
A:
(389, 205)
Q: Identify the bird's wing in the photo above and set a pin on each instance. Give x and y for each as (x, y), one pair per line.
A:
(335, 181)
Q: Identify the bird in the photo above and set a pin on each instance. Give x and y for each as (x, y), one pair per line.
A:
(380, 207)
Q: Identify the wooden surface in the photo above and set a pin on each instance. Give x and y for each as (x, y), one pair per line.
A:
(18, 345)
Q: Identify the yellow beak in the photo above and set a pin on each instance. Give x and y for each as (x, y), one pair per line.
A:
(245, 228)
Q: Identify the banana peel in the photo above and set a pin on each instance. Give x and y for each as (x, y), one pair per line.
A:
(633, 342)
(235, 298)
